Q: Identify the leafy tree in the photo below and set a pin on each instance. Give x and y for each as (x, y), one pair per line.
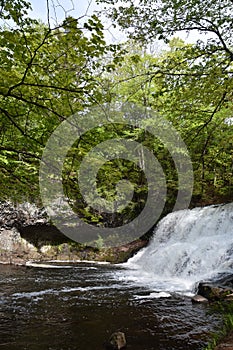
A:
(15, 11)
(47, 75)
(199, 65)
(197, 105)
(152, 19)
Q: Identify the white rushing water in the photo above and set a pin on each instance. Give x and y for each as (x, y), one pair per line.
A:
(187, 246)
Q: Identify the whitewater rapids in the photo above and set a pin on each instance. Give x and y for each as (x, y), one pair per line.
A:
(188, 246)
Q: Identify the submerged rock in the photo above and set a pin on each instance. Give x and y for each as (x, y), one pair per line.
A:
(117, 341)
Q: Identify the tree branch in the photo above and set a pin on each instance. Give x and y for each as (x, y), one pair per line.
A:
(216, 109)
(19, 152)
(7, 114)
(29, 64)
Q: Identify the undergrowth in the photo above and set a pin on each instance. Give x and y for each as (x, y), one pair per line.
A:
(225, 308)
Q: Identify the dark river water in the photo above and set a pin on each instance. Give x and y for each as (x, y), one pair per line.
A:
(77, 307)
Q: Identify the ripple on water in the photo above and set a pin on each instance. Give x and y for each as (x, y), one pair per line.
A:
(81, 306)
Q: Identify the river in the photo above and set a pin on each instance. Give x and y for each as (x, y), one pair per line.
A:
(78, 306)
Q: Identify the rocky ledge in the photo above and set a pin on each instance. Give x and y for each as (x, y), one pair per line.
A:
(27, 234)
(220, 289)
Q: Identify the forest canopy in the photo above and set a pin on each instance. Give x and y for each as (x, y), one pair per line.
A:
(51, 72)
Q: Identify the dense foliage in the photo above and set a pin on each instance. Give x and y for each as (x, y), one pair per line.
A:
(49, 73)
(196, 90)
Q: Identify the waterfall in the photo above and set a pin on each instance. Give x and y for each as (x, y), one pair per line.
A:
(187, 246)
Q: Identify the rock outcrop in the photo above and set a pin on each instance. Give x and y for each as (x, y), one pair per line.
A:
(27, 234)
(215, 291)
(21, 215)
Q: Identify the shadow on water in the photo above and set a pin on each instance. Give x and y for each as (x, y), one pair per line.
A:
(77, 307)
